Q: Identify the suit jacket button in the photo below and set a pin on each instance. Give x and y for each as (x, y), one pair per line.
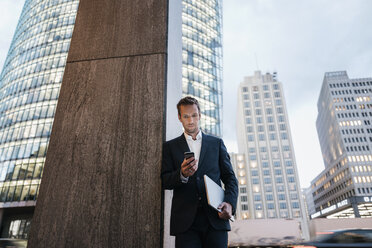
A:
(199, 198)
(198, 178)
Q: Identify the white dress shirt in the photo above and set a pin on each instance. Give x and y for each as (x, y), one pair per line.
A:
(195, 147)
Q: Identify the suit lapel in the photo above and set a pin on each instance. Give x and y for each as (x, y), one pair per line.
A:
(203, 149)
(184, 147)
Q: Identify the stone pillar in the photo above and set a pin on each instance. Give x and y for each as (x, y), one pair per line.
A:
(101, 183)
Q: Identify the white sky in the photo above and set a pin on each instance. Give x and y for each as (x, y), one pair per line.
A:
(300, 39)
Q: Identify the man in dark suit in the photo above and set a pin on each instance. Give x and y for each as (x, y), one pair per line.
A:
(193, 221)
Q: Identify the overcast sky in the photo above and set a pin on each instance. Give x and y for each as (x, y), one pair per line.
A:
(300, 40)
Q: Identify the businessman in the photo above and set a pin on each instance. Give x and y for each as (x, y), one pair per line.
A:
(193, 221)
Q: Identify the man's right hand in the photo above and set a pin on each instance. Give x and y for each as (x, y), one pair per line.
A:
(189, 167)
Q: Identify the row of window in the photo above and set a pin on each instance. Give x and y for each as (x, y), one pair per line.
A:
(270, 119)
(26, 131)
(26, 150)
(33, 113)
(258, 111)
(265, 87)
(355, 140)
(263, 149)
(18, 171)
(272, 136)
(356, 84)
(278, 179)
(31, 99)
(19, 193)
(40, 65)
(46, 79)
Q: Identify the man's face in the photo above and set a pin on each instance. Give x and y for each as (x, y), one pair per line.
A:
(189, 117)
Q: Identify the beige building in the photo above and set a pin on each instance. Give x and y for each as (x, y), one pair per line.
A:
(265, 166)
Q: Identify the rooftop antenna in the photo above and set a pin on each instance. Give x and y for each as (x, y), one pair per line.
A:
(255, 56)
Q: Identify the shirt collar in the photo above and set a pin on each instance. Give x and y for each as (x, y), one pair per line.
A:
(189, 137)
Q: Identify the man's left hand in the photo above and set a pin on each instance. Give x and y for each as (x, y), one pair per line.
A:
(226, 211)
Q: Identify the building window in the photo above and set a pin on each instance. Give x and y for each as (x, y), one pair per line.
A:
(243, 198)
(244, 207)
(267, 180)
(281, 197)
(255, 181)
(243, 190)
(250, 137)
(261, 137)
(257, 197)
(269, 197)
(276, 163)
(282, 205)
(291, 179)
(279, 180)
(254, 173)
(278, 172)
(265, 164)
(276, 86)
(295, 205)
(266, 172)
(258, 206)
(268, 188)
(294, 196)
(245, 89)
(280, 188)
(270, 206)
(288, 163)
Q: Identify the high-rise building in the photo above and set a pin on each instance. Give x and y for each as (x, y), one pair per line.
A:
(32, 76)
(202, 59)
(29, 89)
(269, 174)
(344, 188)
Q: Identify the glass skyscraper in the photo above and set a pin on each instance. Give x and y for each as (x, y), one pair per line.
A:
(29, 89)
(202, 59)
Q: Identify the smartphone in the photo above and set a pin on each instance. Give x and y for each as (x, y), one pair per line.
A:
(188, 155)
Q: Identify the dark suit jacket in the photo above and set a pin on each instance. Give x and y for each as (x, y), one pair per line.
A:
(214, 162)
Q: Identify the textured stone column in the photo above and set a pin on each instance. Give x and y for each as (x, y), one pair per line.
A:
(101, 184)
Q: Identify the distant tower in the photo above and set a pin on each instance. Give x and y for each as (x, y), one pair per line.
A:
(344, 124)
(202, 59)
(265, 166)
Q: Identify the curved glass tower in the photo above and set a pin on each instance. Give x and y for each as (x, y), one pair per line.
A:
(29, 89)
(202, 59)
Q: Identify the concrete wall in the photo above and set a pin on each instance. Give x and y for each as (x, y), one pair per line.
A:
(323, 225)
